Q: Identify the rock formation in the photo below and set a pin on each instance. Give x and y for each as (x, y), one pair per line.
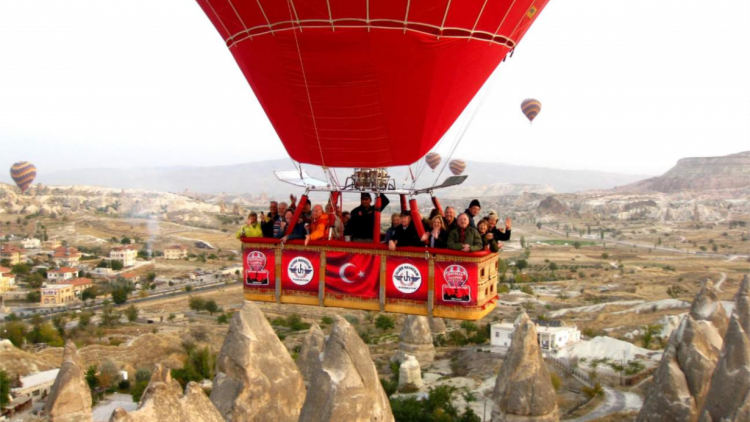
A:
(416, 340)
(437, 326)
(681, 381)
(523, 390)
(409, 374)
(164, 376)
(550, 205)
(729, 394)
(160, 402)
(707, 307)
(69, 398)
(256, 378)
(309, 354)
(742, 304)
(346, 386)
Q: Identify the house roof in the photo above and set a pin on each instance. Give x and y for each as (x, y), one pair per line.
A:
(10, 249)
(39, 378)
(80, 281)
(65, 251)
(125, 248)
(128, 275)
(62, 270)
(4, 270)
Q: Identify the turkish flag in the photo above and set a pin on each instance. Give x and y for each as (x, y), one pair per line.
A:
(352, 274)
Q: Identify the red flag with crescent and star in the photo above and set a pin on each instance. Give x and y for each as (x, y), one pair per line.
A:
(352, 274)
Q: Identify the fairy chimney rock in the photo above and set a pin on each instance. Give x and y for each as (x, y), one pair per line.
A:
(163, 403)
(416, 340)
(681, 381)
(409, 374)
(523, 389)
(256, 378)
(69, 398)
(346, 386)
(437, 326)
(707, 307)
(742, 304)
(309, 355)
(728, 396)
(164, 376)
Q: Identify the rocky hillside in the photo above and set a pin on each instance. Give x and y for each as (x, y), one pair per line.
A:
(699, 174)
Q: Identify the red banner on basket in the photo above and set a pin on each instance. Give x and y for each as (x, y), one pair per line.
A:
(456, 283)
(259, 268)
(352, 274)
(406, 278)
(300, 271)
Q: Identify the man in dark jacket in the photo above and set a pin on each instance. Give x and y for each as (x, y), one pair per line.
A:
(405, 234)
(270, 219)
(464, 237)
(362, 221)
(473, 212)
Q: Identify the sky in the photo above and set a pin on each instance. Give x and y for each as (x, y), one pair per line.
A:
(627, 86)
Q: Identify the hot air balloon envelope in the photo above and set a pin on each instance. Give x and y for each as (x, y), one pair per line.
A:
(360, 83)
(23, 173)
(531, 108)
(433, 160)
(457, 166)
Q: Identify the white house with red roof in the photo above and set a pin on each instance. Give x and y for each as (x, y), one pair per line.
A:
(66, 255)
(11, 253)
(176, 252)
(126, 254)
(61, 275)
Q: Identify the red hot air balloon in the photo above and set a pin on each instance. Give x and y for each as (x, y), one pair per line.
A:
(432, 159)
(531, 108)
(23, 173)
(361, 83)
(457, 167)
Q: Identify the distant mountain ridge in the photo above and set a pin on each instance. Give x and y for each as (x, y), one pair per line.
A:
(256, 178)
(697, 174)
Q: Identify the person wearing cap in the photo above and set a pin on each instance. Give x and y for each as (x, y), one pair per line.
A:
(499, 235)
(362, 219)
(251, 228)
(268, 221)
(473, 211)
(464, 237)
(406, 234)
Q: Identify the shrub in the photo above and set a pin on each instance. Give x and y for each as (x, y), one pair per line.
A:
(556, 381)
(468, 326)
(384, 322)
(594, 391)
(326, 320)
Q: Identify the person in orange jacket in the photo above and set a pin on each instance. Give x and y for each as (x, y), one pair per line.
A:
(318, 226)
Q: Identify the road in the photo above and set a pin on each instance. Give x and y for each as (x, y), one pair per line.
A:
(659, 248)
(614, 401)
(718, 283)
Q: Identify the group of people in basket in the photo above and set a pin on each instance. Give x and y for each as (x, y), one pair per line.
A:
(467, 232)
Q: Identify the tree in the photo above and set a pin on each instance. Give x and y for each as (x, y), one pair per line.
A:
(91, 378)
(539, 225)
(649, 334)
(521, 264)
(34, 296)
(120, 294)
(523, 241)
(116, 265)
(131, 313)
(125, 240)
(384, 322)
(211, 306)
(21, 269)
(45, 333)
(468, 326)
(110, 316)
(151, 277)
(35, 280)
(577, 244)
(84, 319)
(59, 322)
(89, 293)
(4, 389)
(223, 319)
(197, 303)
(15, 331)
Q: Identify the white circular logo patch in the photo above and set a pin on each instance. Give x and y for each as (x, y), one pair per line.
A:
(300, 271)
(407, 278)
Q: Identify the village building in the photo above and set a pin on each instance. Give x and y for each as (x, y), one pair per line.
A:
(102, 272)
(176, 252)
(61, 275)
(126, 254)
(36, 386)
(7, 280)
(58, 294)
(80, 284)
(11, 253)
(552, 335)
(66, 256)
(31, 243)
(51, 244)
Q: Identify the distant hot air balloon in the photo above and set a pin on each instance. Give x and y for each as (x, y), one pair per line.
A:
(531, 108)
(432, 159)
(23, 173)
(457, 166)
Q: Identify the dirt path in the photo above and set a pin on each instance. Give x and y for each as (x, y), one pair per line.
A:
(614, 401)
(718, 283)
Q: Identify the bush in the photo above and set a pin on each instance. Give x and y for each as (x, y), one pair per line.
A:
(294, 322)
(594, 391)
(468, 326)
(120, 295)
(556, 381)
(223, 319)
(384, 323)
(502, 288)
(326, 320)
(457, 338)
(131, 313)
(123, 385)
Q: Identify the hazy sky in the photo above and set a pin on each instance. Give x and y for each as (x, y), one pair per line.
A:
(627, 86)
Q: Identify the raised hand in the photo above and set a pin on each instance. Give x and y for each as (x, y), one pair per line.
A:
(507, 223)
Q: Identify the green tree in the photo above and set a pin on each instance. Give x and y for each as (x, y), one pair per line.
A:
(116, 265)
(649, 334)
(34, 296)
(384, 322)
(131, 313)
(21, 269)
(125, 240)
(151, 277)
(89, 293)
(468, 326)
(91, 378)
(119, 295)
(59, 322)
(110, 316)
(577, 244)
(521, 264)
(35, 280)
(4, 389)
(84, 320)
(211, 306)
(15, 331)
(197, 303)
(523, 241)
(45, 333)
(223, 319)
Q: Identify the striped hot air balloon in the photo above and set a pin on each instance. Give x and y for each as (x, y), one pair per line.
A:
(432, 159)
(531, 108)
(457, 166)
(23, 173)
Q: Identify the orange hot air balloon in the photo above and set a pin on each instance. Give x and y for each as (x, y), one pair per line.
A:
(23, 173)
(457, 167)
(432, 159)
(531, 108)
